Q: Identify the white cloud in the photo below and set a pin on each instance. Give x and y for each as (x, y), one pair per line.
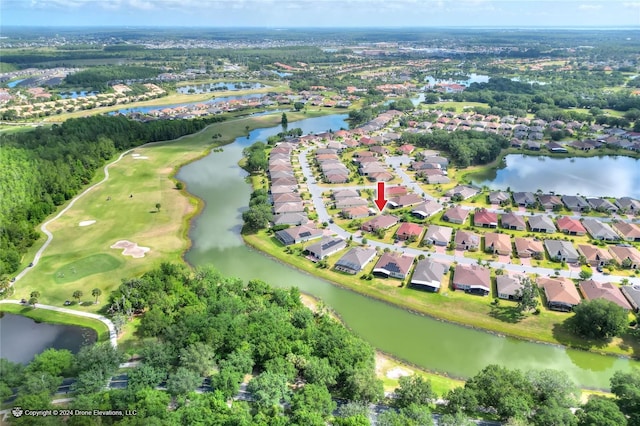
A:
(632, 5)
(590, 7)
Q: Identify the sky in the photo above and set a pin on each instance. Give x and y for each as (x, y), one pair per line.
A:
(322, 13)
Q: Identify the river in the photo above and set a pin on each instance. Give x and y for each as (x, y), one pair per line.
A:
(437, 346)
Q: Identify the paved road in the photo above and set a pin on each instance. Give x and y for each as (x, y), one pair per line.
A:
(323, 216)
(113, 336)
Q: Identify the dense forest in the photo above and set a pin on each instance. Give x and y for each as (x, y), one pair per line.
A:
(464, 148)
(203, 335)
(98, 78)
(43, 168)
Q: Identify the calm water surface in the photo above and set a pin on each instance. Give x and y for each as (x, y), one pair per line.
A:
(431, 344)
(22, 338)
(594, 176)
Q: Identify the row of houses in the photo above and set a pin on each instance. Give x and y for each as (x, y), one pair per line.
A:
(370, 166)
(572, 202)
(288, 206)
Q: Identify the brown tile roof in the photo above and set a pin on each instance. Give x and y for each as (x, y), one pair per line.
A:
(594, 290)
(560, 290)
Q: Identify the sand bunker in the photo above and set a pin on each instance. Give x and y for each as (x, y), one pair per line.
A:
(130, 249)
(86, 222)
(139, 157)
(396, 373)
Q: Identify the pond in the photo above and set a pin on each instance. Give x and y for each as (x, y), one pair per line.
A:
(14, 83)
(472, 78)
(214, 87)
(22, 338)
(431, 344)
(610, 176)
(74, 94)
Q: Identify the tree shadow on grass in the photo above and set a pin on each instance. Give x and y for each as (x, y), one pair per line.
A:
(564, 333)
(509, 314)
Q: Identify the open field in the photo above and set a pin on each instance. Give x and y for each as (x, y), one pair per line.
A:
(43, 315)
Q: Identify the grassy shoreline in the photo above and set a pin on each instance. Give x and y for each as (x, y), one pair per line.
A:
(53, 317)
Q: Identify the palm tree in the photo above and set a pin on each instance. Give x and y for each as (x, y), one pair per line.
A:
(77, 295)
(96, 292)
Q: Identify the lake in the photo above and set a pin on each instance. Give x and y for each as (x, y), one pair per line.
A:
(22, 338)
(213, 87)
(434, 345)
(213, 100)
(609, 176)
(472, 78)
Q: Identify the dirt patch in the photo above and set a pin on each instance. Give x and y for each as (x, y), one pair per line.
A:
(130, 249)
(397, 372)
(86, 222)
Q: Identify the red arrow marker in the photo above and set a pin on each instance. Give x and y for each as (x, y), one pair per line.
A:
(380, 201)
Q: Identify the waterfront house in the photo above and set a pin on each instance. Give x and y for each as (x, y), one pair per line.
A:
(485, 218)
(632, 293)
(592, 290)
(628, 204)
(326, 247)
(561, 251)
(513, 221)
(427, 275)
(524, 199)
(599, 230)
(528, 247)
(508, 286)
(571, 226)
(282, 208)
(596, 256)
(541, 223)
(497, 243)
(355, 260)
(628, 231)
(602, 205)
(462, 191)
(499, 197)
(438, 235)
(560, 292)
(575, 203)
(290, 219)
(456, 214)
(298, 234)
(549, 201)
(393, 265)
(466, 240)
(473, 279)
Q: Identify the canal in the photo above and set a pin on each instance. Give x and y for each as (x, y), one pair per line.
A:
(438, 346)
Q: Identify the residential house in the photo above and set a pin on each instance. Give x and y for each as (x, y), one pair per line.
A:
(286, 197)
(409, 231)
(393, 265)
(379, 222)
(379, 176)
(560, 292)
(466, 240)
(571, 226)
(355, 212)
(426, 209)
(528, 247)
(485, 218)
(472, 279)
(396, 191)
(632, 293)
(345, 193)
(438, 235)
(437, 179)
(549, 201)
(344, 203)
(282, 208)
(499, 197)
(456, 214)
(326, 247)
(628, 204)
(596, 256)
(462, 192)
(541, 223)
(575, 203)
(592, 290)
(561, 251)
(298, 234)
(497, 243)
(508, 286)
(405, 201)
(627, 257)
(602, 205)
(355, 260)
(524, 199)
(291, 219)
(427, 275)
(513, 221)
(599, 230)
(628, 231)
